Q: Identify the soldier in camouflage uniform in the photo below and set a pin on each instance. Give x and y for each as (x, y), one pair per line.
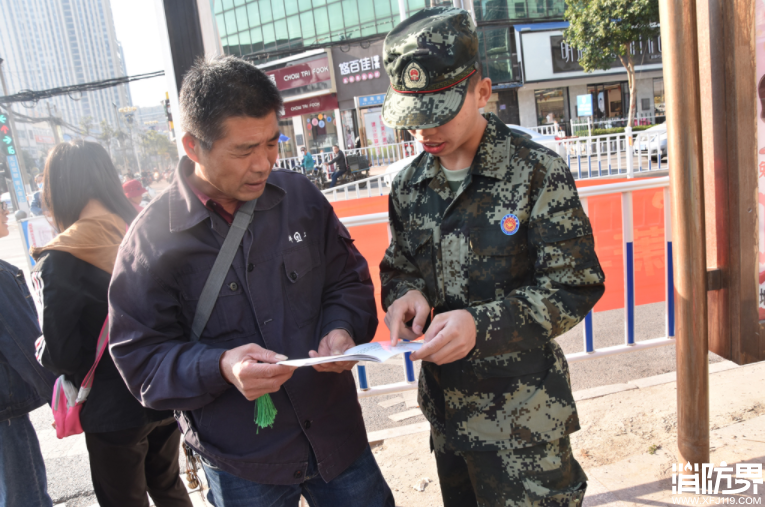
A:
(503, 254)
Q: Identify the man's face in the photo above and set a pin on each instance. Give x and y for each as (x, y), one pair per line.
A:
(240, 162)
(445, 140)
(335, 149)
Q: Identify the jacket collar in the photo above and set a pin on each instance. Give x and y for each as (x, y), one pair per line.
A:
(491, 160)
(186, 210)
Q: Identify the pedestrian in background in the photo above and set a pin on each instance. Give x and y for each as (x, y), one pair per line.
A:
(307, 161)
(342, 165)
(134, 192)
(133, 450)
(25, 386)
(36, 206)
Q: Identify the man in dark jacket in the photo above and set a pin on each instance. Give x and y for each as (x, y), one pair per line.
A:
(25, 386)
(297, 287)
(342, 165)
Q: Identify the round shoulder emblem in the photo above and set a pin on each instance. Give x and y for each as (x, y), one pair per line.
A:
(510, 224)
(415, 77)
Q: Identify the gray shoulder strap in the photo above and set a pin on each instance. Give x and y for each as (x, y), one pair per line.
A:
(220, 268)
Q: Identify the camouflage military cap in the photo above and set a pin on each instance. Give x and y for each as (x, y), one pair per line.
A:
(429, 58)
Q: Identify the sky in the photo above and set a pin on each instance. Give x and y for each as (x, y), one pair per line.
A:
(136, 24)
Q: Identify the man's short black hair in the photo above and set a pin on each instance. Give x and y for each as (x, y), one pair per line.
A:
(214, 90)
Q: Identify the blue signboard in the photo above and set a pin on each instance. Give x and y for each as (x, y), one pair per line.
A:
(371, 100)
(18, 184)
(584, 105)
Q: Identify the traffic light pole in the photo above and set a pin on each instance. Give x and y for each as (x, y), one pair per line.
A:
(15, 157)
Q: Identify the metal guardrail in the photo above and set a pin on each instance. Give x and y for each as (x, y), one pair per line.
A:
(587, 158)
(625, 189)
(384, 154)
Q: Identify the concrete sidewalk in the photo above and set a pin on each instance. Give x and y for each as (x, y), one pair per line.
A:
(627, 443)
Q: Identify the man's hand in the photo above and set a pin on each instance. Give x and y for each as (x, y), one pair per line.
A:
(334, 344)
(250, 369)
(450, 337)
(411, 305)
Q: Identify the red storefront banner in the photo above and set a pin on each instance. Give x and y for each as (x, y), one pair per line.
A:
(309, 106)
(301, 74)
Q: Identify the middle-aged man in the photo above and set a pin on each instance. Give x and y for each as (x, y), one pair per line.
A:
(488, 232)
(297, 287)
(342, 164)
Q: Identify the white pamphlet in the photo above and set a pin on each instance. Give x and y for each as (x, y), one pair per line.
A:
(377, 352)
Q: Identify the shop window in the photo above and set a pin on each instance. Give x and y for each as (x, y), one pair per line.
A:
(288, 148)
(609, 100)
(496, 46)
(658, 99)
(320, 131)
(552, 106)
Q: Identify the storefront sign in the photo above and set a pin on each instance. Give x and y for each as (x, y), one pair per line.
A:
(584, 105)
(44, 139)
(371, 100)
(301, 74)
(310, 106)
(546, 57)
(359, 72)
(566, 59)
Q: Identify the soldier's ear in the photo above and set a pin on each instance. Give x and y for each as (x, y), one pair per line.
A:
(483, 92)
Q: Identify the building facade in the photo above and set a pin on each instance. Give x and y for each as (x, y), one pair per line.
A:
(52, 43)
(535, 76)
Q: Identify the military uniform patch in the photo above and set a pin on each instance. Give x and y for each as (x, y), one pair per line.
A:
(510, 224)
(415, 77)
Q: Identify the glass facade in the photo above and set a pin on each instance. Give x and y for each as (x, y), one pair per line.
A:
(257, 26)
(552, 106)
(518, 10)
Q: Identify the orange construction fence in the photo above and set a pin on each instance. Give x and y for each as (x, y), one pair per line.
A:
(605, 214)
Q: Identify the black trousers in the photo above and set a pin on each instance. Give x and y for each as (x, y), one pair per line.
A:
(127, 464)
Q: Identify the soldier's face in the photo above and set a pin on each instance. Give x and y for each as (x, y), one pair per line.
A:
(460, 132)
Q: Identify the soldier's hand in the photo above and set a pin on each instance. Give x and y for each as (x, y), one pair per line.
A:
(450, 337)
(250, 369)
(334, 344)
(411, 305)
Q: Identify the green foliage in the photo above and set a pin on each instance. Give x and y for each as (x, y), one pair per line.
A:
(157, 143)
(86, 124)
(617, 130)
(604, 29)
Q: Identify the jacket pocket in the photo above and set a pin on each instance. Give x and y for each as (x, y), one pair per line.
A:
(231, 316)
(422, 254)
(513, 364)
(499, 263)
(302, 283)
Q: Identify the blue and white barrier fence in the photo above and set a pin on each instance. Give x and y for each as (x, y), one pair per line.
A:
(625, 189)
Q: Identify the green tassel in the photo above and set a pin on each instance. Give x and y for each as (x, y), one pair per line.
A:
(265, 412)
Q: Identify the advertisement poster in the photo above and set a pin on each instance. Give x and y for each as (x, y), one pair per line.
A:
(377, 132)
(37, 232)
(760, 52)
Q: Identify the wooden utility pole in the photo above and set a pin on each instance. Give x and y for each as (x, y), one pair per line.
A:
(681, 85)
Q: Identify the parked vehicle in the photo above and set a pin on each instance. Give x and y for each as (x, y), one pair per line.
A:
(392, 170)
(653, 140)
(532, 134)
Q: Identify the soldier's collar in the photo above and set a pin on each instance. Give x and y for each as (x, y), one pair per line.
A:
(492, 158)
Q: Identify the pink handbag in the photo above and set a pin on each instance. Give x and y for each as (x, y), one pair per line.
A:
(67, 403)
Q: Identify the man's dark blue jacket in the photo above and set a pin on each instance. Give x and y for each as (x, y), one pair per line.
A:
(296, 277)
(24, 384)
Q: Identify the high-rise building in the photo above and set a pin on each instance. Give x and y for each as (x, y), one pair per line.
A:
(53, 43)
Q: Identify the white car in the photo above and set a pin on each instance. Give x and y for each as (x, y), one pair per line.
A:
(653, 140)
(392, 170)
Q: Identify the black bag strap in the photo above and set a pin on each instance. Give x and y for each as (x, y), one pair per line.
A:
(220, 268)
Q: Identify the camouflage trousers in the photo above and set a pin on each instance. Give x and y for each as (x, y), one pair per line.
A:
(545, 475)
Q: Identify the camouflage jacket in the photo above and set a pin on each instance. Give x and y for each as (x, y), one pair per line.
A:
(513, 247)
